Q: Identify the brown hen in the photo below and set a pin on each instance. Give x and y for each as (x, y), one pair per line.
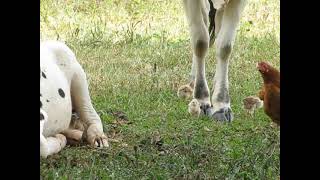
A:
(270, 92)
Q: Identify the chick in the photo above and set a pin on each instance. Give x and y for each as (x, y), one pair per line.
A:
(186, 91)
(194, 108)
(252, 103)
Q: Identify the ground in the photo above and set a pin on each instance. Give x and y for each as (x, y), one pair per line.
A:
(136, 55)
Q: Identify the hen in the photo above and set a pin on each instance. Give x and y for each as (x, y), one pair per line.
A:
(270, 93)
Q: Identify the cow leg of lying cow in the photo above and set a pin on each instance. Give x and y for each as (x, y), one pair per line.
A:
(50, 145)
(227, 21)
(197, 15)
(82, 104)
(75, 131)
(74, 136)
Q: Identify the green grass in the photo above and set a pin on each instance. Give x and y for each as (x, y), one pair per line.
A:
(136, 55)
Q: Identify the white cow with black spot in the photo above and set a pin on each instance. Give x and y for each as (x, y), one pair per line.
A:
(63, 87)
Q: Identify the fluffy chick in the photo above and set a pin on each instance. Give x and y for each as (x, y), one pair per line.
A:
(252, 103)
(194, 108)
(185, 91)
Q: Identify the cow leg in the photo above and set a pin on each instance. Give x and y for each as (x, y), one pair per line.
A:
(227, 20)
(50, 145)
(197, 15)
(82, 104)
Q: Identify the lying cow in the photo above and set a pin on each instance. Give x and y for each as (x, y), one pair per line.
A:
(63, 87)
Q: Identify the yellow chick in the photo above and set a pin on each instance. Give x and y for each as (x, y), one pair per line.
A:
(194, 108)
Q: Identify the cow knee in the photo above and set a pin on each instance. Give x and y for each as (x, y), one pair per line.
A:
(224, 51)
(201, 48)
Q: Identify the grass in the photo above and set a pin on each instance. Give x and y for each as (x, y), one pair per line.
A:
(136, 54)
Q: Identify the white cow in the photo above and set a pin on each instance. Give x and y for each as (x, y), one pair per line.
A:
(212, 20)
(63, 87)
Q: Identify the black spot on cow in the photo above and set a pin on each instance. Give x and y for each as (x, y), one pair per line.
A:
(40, 104)
(200, 90)
(41, 116)
(61, 92)
(40, 95)
(48, 100)
(44, 75)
